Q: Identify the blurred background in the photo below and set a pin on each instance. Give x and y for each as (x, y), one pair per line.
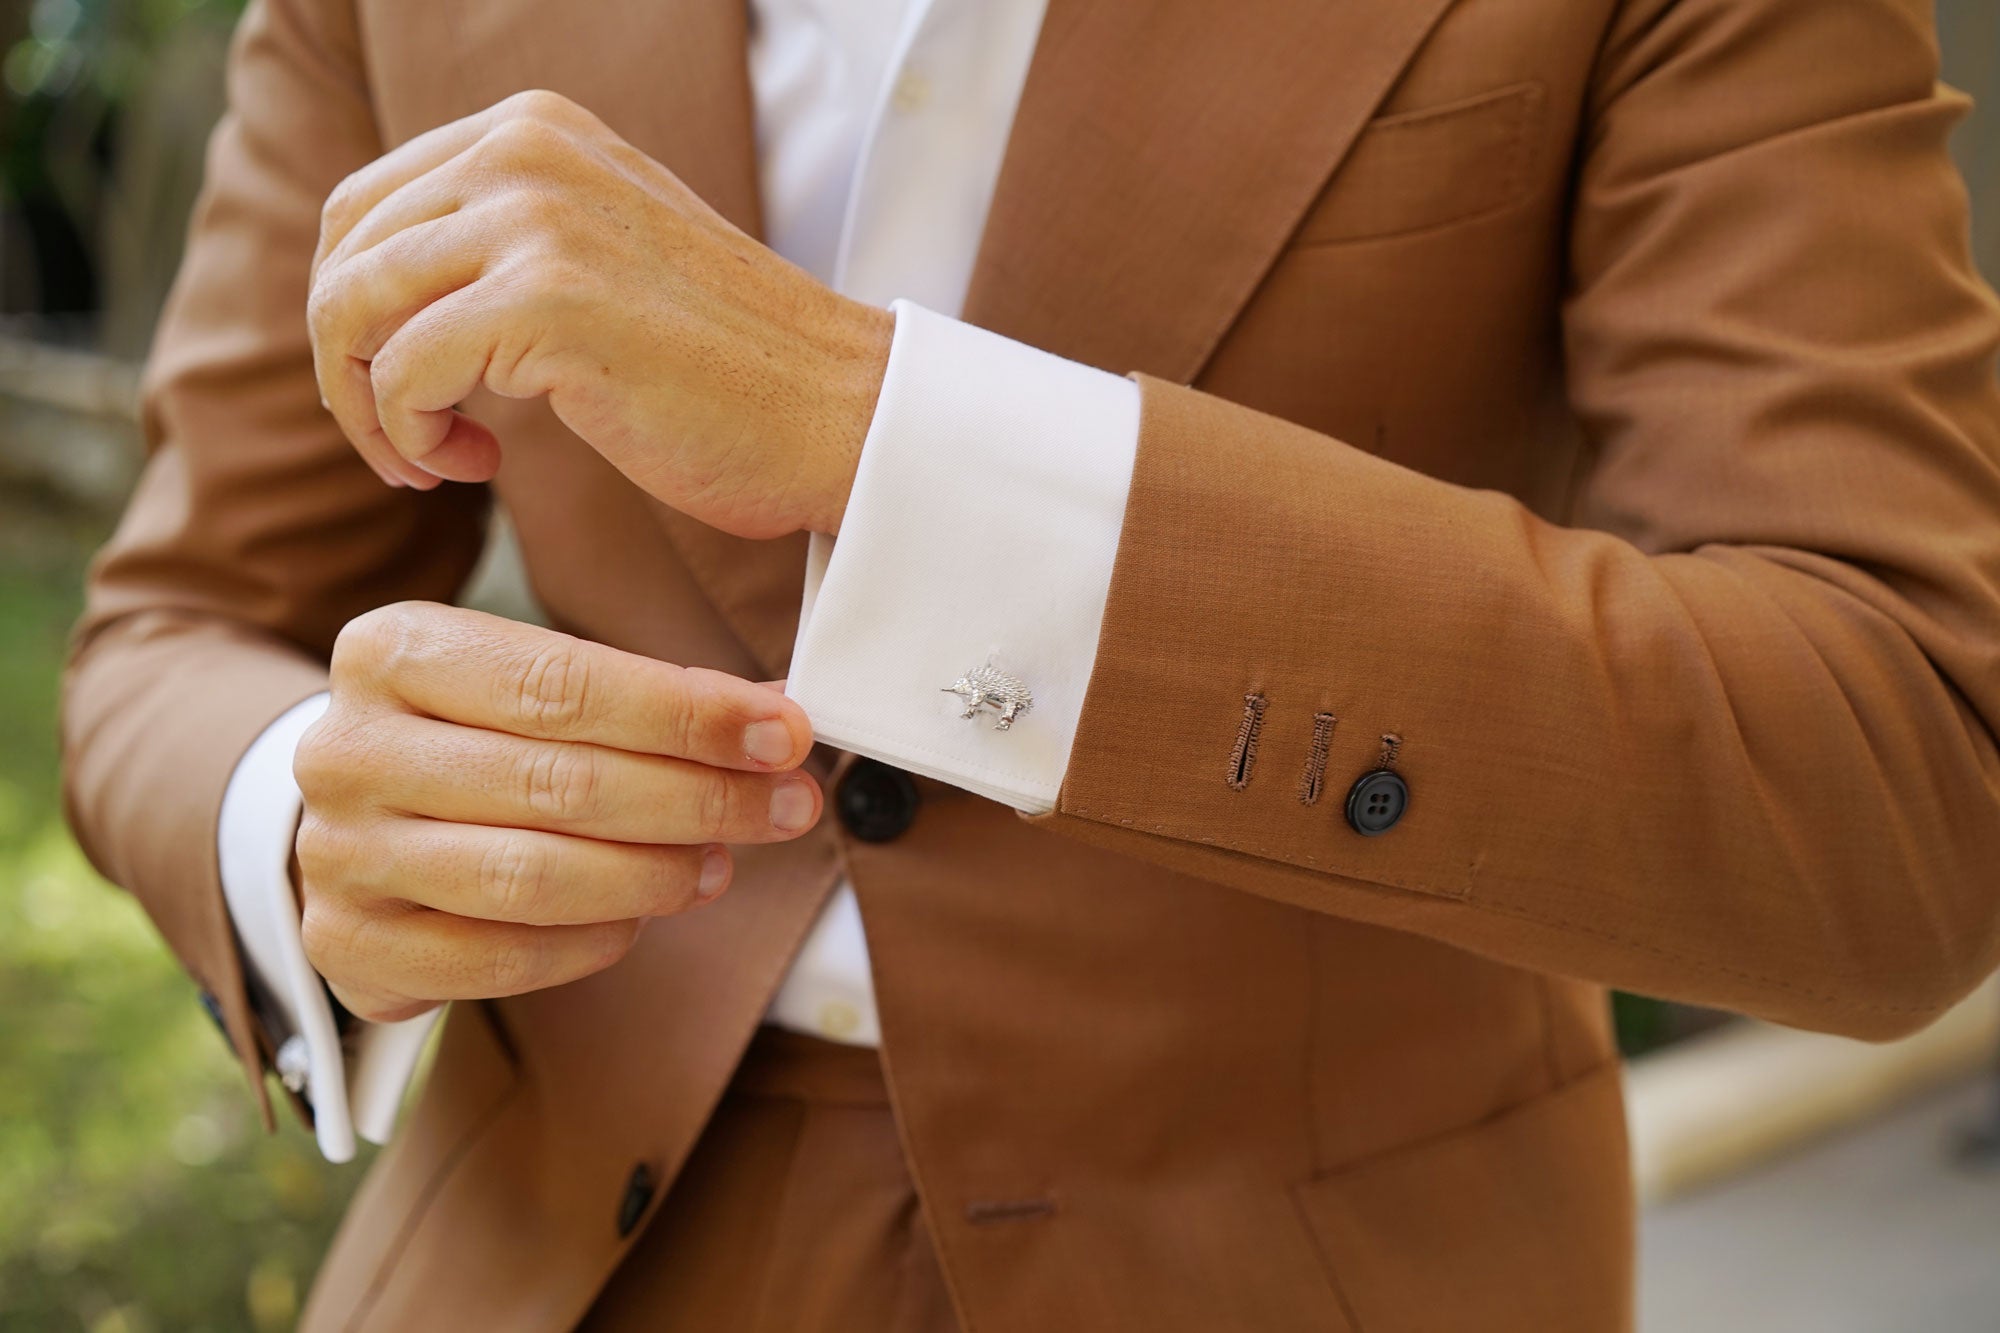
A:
(1791, 1182)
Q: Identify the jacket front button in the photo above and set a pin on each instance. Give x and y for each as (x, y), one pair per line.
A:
(1376, 801)
(639, 1189)
(876, 802)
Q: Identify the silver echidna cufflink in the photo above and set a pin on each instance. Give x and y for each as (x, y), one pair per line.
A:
(990, 687)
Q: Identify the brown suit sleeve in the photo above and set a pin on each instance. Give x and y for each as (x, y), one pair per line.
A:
(1731, 737)
(256, 532)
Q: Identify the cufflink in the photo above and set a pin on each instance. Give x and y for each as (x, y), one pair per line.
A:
(990, 687)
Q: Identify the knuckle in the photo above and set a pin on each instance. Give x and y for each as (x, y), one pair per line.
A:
(617, 939)
(680, 718)
(328, 934)
(515, 966)
(313, 935)
(541, 104)
(354, 647)
(389, 374)
(675, 879)
(714, 802)
(320, 850)
(331, 760)
(377, 643)
(523, 139)
(512, 879)
(316, 759)
(340, 203)
(322, 305)
(562, 783)
(553, 691)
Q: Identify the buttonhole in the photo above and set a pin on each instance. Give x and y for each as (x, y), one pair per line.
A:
(982, 1211)
(1243, 755)
(1314, 777)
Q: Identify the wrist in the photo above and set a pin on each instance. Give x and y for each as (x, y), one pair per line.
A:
(857, 356)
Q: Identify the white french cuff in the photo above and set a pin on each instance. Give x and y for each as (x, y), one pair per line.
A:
(981, 533)
(358, 1090)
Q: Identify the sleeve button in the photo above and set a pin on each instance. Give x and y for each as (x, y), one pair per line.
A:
(876, 802)
(1376, 802)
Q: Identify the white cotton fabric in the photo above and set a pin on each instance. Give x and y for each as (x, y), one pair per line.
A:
(983, 530)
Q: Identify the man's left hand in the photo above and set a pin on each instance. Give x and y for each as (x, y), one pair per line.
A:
(530, 250)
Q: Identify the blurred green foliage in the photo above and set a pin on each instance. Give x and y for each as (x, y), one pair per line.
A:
(96, 45)
(82, 82)
(137, 1190)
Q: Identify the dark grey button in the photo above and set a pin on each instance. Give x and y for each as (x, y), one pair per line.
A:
(639, 1189)
(1376, 801)
(876, 802)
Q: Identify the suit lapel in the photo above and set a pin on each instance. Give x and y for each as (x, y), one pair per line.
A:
(1163, 153)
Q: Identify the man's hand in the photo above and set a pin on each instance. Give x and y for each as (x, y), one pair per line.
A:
(492, 808)
(530, 250)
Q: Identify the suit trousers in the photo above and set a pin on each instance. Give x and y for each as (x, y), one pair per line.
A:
(795, 1212)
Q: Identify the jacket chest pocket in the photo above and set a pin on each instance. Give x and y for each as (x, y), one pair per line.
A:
(1432, 167)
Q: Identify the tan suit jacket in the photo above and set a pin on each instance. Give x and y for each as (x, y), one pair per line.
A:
(1595, 395)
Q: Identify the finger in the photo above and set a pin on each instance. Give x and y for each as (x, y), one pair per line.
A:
(378, 1007)
(354, 198)
(359, 303)
(469, 776)
(435, 194)
(417, 954)
(344, 381)
(348, 396)
(531, 877)
(433, 362)
(485, 671)
(532, 114)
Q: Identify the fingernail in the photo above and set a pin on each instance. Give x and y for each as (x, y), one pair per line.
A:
(768, 742)
(714, 872)
(792, 806)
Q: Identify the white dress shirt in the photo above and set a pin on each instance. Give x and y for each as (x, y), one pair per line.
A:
(881, 125)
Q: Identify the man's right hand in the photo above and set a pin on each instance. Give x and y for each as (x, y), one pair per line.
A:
(492, 808)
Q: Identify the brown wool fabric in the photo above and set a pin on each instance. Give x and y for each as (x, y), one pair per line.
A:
(795, 1212)
(1596, 395)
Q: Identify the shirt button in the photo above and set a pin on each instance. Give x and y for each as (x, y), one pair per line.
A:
(1376, 802)
(912, 94)
(838, 1019)
(876, 802)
